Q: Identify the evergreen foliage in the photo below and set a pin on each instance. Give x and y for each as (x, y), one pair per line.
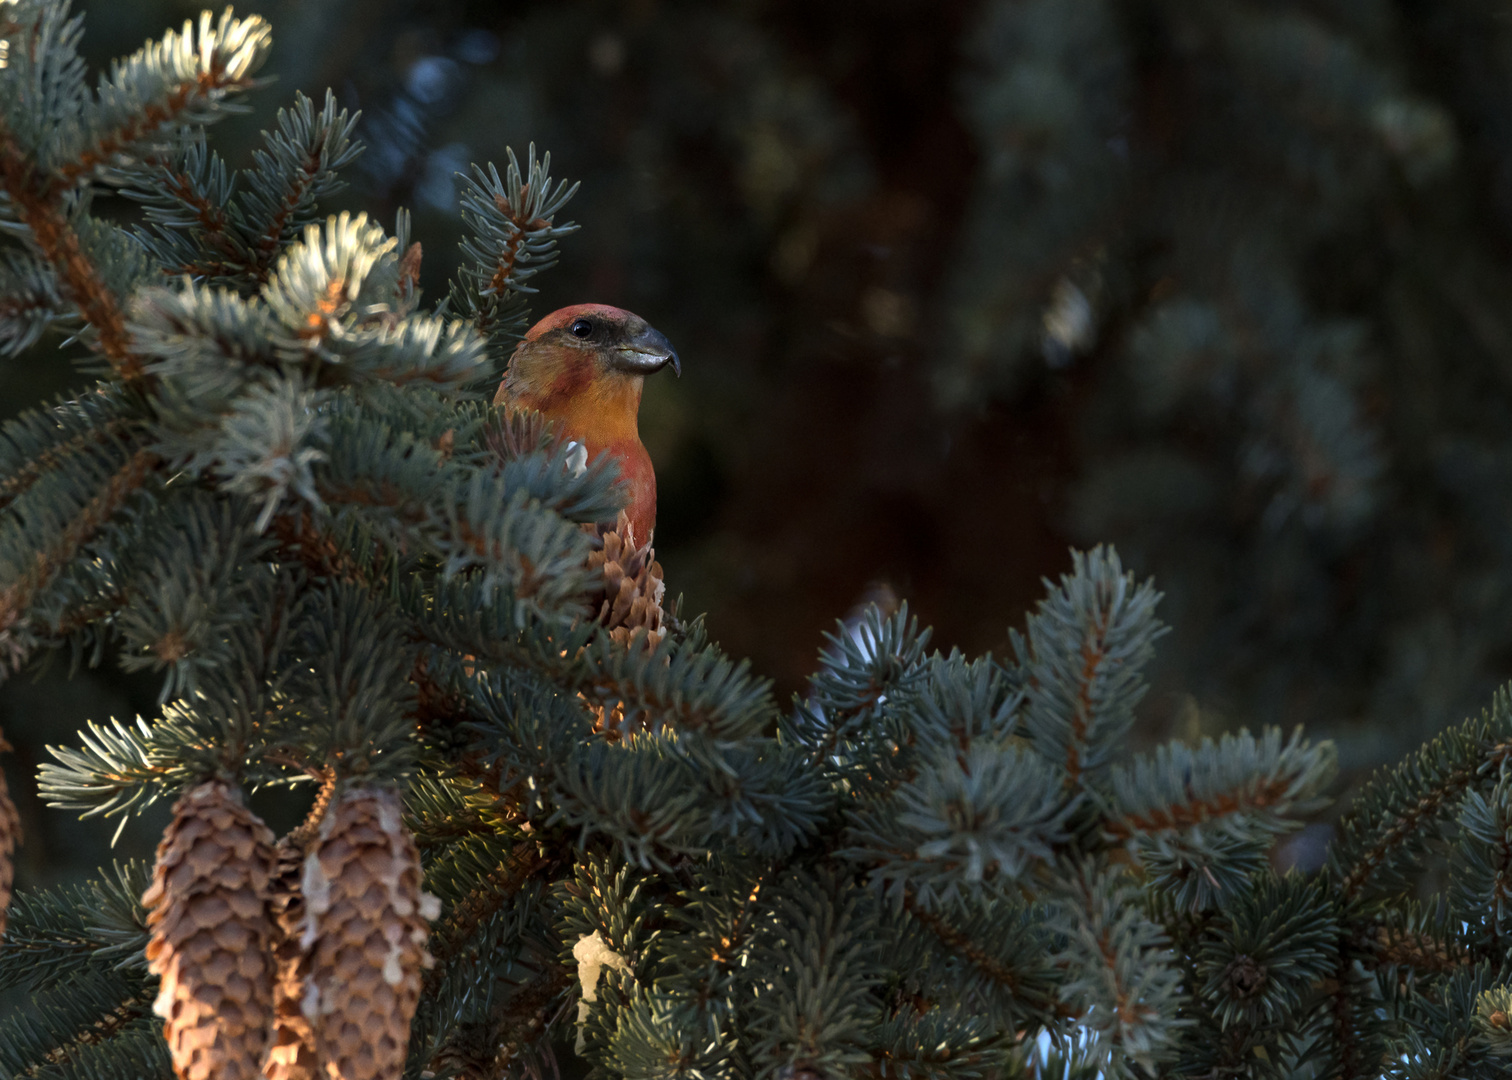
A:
(286, 496)
(1182, 210)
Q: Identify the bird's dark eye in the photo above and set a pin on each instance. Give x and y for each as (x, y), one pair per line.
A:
(581, 328)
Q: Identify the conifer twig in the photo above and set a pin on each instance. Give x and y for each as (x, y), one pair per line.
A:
(17, 596)
(1417, 950)
(523, 863)
(525, 1016)
(103, 1029)
(268, 244)
(39, 206)
(18, 308)
(1093, 653)
(1183, 815)
(34, 467)
(1342, 1008)
(316, 550)
(963, 947)
(152, 117)
(1411, 818)
(212, 222)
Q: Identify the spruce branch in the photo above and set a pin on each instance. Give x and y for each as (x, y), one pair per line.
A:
(514, 237)
(1400, 809)
(118, 767)
(1422, 951)
(1181, 786)
(229, 228)
(90, 1014)
(45, 75)
(1119, 975)
(1081, 663)
(1493, 1021)
(879, 658)
(188, 209)
(523, 1018)
(1028, 987)
(492, 890)
(822, 952)
(297, 168)
(1355, 1026)
(184, 79)
(29, 301)
(944, 1043)
(322, 551)
(1259, 964)
(966, 820)
(18, 593)
(687, 689)
(38, 442)
(1480, 874)
(56, 935)
(194, 597)
(42, 211)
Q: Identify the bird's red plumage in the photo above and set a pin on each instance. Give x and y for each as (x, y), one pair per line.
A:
(575, 385)
(562, 317)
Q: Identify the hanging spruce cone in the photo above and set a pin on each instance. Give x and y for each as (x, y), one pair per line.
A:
(366, 923)
(207, 909)
(631, 594)
(291, 1051)
(10, 836)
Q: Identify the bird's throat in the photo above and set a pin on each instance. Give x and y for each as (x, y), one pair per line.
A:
(597, 413)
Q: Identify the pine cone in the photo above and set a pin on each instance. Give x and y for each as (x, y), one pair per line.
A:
(10, 835)
(630, 599)
(291, 1052)
(208, 913)
(366, 923)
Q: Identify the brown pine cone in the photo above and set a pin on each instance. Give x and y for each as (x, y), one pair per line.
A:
(366, 924)
(630, 598)
(291, 1051)
(208, 914)
(10, 836)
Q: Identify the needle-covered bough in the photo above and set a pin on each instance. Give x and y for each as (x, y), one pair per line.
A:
(532, 833)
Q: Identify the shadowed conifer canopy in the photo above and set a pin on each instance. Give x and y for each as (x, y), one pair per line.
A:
(544, 828)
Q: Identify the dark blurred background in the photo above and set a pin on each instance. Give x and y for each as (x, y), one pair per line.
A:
(958, 284)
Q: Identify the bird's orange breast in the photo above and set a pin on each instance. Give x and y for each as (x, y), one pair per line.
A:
(600, 412)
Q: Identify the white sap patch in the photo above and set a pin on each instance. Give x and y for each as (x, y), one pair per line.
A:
(317, 894)
(582, 1019)
(393, 970)
(430, 907)
(162, 1005)
(593, 954)
(314, 884)
(388, 813)
(309, 1002)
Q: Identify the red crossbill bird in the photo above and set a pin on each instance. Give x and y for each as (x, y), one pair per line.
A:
(583, 368)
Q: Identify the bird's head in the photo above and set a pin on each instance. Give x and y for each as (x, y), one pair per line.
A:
(587, 349)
